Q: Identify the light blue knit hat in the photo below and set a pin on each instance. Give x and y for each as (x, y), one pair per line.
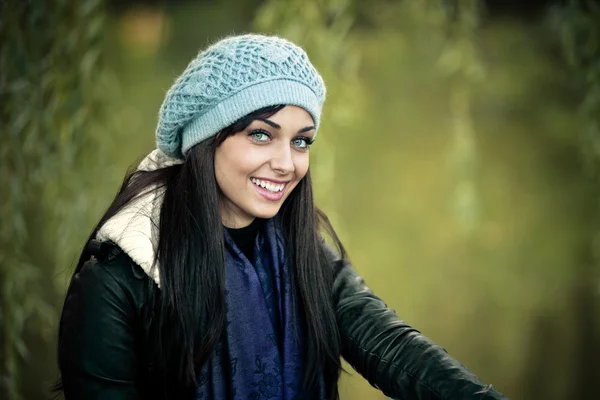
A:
(231, 79)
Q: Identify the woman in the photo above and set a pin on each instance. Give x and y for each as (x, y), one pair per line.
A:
(207, 277)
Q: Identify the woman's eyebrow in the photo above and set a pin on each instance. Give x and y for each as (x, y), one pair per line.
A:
(308, 128)
(270, 123)
(277, 126)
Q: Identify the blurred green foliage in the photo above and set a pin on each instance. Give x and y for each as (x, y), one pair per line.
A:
(578, 26)
(458, 159)
(51, 88)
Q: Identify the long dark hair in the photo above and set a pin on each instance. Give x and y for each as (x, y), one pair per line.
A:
(190, 259)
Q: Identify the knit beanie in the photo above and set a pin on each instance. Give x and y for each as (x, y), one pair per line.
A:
(231, 79)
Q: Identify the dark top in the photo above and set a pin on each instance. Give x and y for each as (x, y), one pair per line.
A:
(245, 238)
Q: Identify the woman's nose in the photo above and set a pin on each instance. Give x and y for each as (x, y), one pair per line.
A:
(282, 160)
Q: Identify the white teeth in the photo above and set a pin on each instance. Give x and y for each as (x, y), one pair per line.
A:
(271, 187)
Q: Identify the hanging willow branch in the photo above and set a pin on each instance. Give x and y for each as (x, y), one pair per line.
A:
(461, 64)
(578, 25)
(49, 90)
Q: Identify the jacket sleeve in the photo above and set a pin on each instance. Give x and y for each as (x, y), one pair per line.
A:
(393, 356)
(97, 347)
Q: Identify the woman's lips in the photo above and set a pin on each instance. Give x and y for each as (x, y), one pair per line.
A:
(269, 195)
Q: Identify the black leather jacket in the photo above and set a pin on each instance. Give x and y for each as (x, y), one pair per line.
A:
(102, 355)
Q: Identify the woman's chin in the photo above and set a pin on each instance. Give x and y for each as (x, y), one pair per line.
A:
(265, 212)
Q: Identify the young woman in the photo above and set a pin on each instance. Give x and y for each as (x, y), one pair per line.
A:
(208, 277)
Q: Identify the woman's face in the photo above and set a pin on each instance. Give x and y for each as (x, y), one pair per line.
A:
(257, 168)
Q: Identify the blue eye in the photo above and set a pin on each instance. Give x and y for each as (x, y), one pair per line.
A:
(259, 135)
(302, 143)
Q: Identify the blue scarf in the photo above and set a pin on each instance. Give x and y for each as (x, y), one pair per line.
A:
(261, 353)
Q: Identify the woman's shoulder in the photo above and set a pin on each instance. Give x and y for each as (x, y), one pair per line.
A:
(111, 273)
(109, 260)
(335, 257)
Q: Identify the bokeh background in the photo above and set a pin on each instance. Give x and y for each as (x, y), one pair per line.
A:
(458, 160)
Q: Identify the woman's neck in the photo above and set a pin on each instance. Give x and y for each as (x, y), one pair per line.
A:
(244, 238)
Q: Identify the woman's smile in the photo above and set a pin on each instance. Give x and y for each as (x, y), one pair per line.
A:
(269, 189)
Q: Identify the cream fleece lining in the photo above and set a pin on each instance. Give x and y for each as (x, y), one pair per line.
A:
(135, 227)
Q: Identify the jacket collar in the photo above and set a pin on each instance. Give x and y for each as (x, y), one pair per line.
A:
(135, 227)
